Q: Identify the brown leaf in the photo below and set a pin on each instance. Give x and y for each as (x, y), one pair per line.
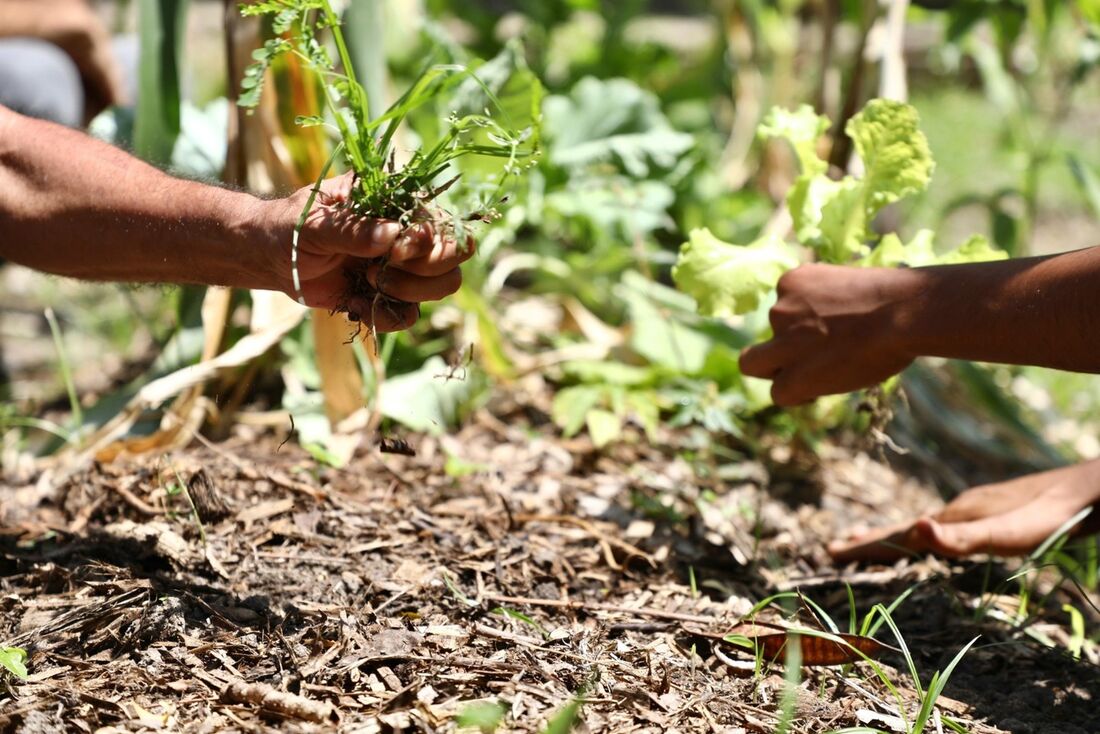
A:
(819, 650)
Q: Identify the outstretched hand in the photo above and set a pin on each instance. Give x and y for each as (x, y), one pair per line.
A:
(421, 263)
(1008, 518)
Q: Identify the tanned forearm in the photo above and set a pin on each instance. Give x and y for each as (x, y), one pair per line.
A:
(74, 206)
(1035, 311)
(19, 18)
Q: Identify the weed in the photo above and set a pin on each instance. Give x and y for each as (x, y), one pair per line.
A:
(406, 194)
(13, 660)
(485, 716)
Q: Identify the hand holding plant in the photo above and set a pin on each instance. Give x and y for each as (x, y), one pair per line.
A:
(422, 264)
(377, 241)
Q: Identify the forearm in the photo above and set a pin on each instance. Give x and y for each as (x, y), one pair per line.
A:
(1034, 311)
(74, 206)
(19, 18)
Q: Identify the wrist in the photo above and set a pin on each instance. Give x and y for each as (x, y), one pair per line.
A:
(265, 230)
(904, 295)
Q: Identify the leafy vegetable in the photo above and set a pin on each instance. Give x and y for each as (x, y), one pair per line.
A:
(831, 218)
(726, 279)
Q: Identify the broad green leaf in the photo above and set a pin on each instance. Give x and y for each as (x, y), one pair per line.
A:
(613, 373)
(661, 333)
(14, 660)
(616, 205)
(157, 122)
(604, 427)
(726, 279)
(892, 252)
(571, 406)
(611, 120)
(802, 128)
(424, 401)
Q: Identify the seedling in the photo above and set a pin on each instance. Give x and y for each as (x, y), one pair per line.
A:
(484, 716)
(408, 194)
(13, 660)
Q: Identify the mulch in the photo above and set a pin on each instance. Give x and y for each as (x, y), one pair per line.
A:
(499, 564)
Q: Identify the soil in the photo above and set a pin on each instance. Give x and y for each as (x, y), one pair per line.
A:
(388, 595)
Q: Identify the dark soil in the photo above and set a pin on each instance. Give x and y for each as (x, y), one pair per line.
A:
(369, 598)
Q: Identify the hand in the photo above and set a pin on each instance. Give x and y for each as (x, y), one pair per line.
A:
(1009, 518)
(421, 264)
(73, 26)
(836, 329)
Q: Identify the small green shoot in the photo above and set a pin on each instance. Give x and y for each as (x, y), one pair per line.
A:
(180, 488)
(792, 679)
(521, 617)
(65, 368)
(456, 592)
(569, 716)
(1077, 626)
(485, 716)
(691, 581)
(14, 661)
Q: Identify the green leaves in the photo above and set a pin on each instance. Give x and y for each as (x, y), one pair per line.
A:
(834, 217)
(894, 152)
(612, 121)
(253, 82)
(727, 280)
(802, 129)
(14, 661)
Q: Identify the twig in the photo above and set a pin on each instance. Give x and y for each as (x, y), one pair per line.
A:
(280, 702)
(601, 607)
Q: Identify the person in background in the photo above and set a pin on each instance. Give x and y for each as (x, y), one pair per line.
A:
(57, 61)
(839, 329)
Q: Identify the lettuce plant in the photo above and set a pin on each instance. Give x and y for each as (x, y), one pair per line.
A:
(832, 219)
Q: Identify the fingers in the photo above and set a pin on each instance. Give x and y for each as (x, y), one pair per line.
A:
(884, 545)
(416, 249)
(442, 255)
(411, 287)
(766, 360)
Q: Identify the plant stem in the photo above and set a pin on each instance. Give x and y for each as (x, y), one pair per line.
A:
(63, 366)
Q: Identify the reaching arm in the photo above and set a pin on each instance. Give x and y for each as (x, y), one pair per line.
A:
(840, 329)
(74, 206)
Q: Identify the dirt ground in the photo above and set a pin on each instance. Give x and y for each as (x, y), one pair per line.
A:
(500, 563)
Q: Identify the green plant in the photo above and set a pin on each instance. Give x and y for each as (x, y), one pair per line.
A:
(485, 716)
(14, 661)
(409, 193)
(830, 218)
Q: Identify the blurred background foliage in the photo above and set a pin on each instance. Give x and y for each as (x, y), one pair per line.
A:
(649, 125)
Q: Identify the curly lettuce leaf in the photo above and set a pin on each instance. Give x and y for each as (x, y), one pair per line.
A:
(834, 217)
(727, 280)
(976, 249)
(894, 151)
(921, 251)
(802, 128)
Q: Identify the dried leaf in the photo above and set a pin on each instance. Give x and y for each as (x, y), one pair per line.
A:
(820, 648)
